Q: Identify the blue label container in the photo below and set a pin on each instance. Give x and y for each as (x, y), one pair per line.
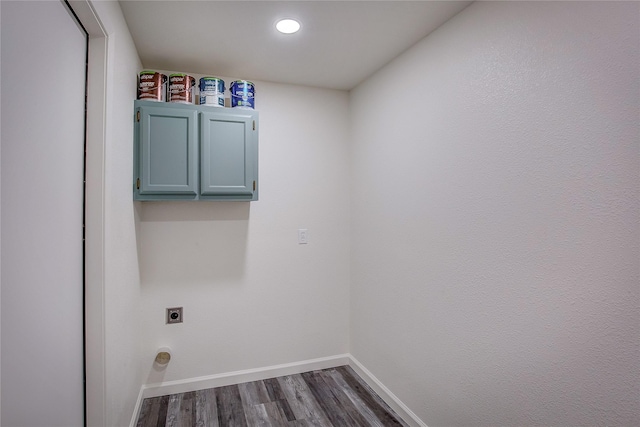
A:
(212, 91)
(243, 94)
(212, 84)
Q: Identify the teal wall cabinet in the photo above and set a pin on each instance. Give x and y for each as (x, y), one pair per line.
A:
(192, 152)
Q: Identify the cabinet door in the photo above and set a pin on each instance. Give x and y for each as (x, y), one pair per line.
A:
(229, 155)
(168, 163)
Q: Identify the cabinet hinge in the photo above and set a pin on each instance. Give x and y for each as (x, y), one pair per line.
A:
(254, 125)
(254, 186)
(138, 183)
(138, 116)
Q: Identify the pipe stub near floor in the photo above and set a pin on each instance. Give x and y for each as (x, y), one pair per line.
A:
(163, 357)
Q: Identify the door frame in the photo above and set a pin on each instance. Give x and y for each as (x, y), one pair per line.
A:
(95, 363)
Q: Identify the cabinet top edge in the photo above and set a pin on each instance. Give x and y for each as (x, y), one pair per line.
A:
(194, 107)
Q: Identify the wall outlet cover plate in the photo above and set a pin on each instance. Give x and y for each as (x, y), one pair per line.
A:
(174, 315)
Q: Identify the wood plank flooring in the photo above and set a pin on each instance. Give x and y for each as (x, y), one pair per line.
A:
(329, 397)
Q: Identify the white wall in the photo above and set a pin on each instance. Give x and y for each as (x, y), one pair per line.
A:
(252, 296)
(495, 202)
(121, 301)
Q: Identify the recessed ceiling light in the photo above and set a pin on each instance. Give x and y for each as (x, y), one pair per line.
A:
(287, 26)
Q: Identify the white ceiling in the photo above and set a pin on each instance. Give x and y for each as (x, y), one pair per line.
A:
(339, 45)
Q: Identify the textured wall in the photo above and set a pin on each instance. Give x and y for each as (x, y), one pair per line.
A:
(495, 238)
(252, 296)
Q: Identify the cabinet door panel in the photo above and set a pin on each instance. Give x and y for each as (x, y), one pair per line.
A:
(168, 142)
(227, 155)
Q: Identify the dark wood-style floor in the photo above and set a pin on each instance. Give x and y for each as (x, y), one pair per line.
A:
(330, 397)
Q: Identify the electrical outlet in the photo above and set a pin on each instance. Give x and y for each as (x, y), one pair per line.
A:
(303, 236)
(174, 315)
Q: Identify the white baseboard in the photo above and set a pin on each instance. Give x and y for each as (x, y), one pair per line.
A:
(385, 394)
(220, 380)
(136, 409)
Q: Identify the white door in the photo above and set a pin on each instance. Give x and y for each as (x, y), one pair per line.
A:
(43, 55)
